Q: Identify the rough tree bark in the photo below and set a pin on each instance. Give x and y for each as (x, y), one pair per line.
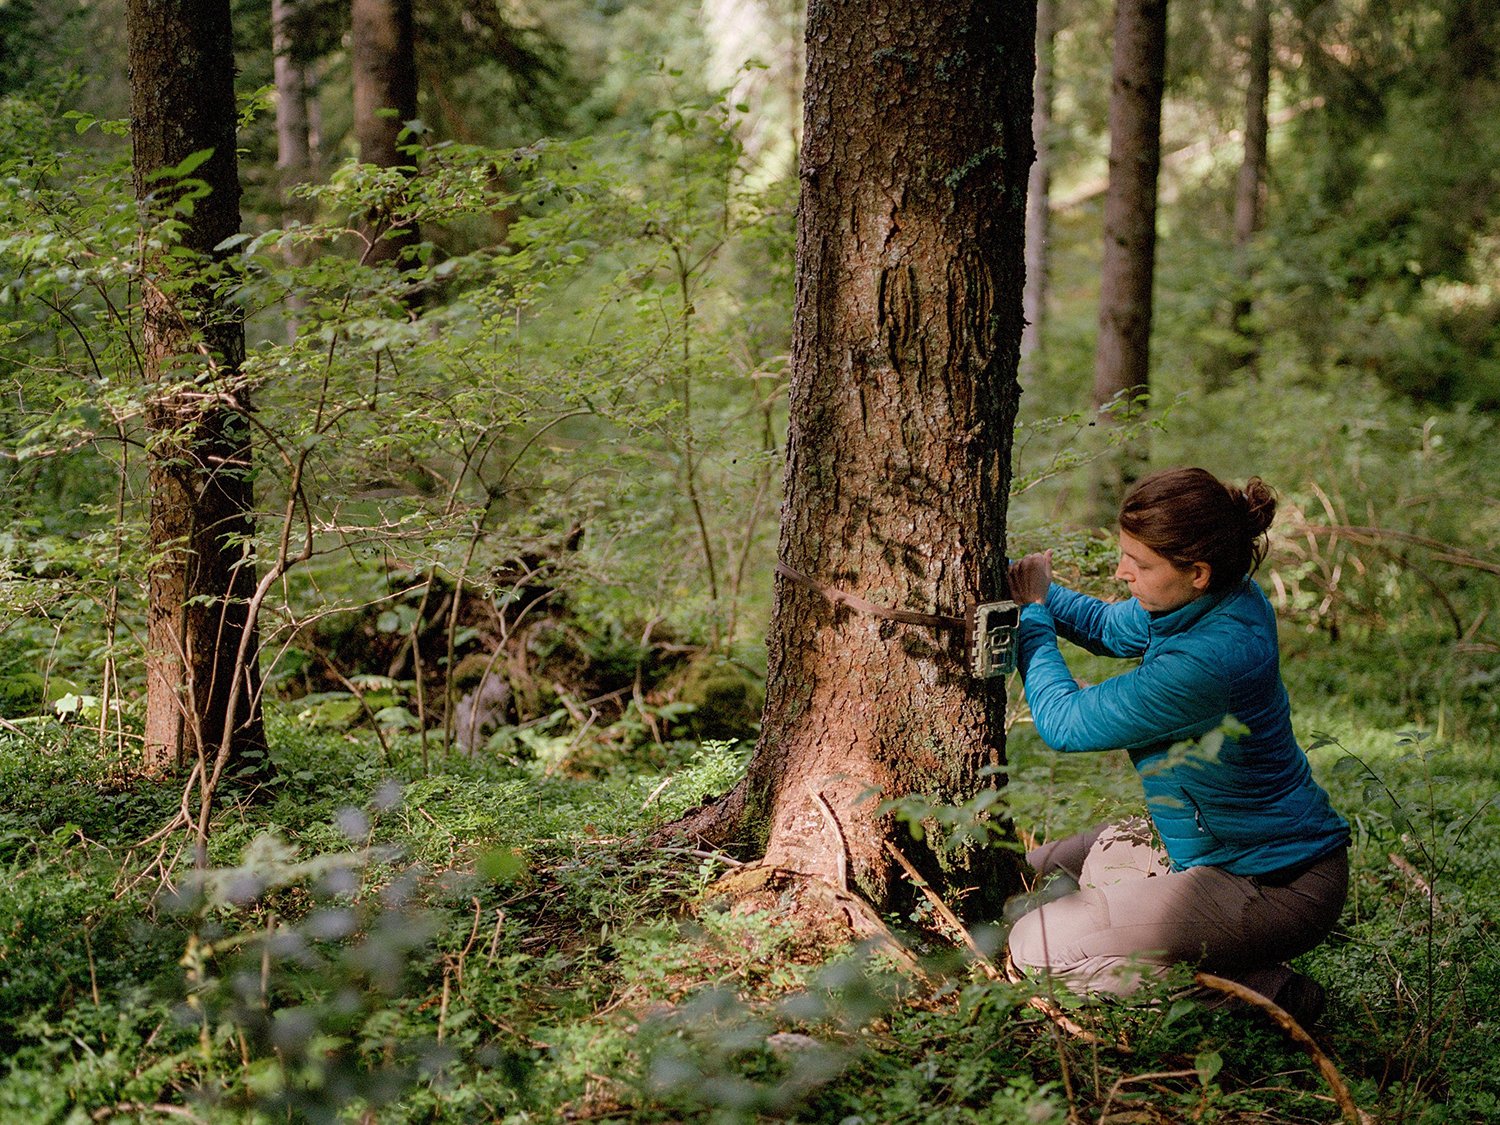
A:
(201, 661)
(383, 56)
(917, 141)
(1122, 354)
(1039, 193)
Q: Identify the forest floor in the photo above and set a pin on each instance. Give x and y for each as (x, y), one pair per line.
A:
(399, 935)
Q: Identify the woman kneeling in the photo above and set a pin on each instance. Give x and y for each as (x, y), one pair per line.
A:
(1244, 863)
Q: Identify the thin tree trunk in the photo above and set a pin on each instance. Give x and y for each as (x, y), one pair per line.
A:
(293, 137)
(1039, 194)
(383, 56)
(293, 151)
(1250, 188)
(202, 567)
(916, 147)
(794, 71)
(1122, 356)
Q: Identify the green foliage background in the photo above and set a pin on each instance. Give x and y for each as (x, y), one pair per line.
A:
(594, 335)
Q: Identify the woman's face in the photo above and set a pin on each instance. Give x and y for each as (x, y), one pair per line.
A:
(1156, 583)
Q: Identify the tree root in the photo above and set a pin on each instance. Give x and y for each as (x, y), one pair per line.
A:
(815, 899)
(715, 824)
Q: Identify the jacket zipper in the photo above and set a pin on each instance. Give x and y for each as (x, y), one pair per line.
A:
(1198, 816)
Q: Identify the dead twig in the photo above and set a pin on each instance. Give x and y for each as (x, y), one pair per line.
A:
(489, 957)
(1294, 1030)
(6, 724)
(109, 1111)
(658, 791)
(469, 945)
(1124, 1078)
(700, 853)
(1370, 536)
(1404, 866)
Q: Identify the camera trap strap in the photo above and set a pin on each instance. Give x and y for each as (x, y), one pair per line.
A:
(860, 605)
(989, 628)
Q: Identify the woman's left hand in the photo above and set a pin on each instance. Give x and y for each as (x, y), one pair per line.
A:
(1030, 577)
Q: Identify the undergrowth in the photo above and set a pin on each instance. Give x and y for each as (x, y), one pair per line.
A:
(495, 939)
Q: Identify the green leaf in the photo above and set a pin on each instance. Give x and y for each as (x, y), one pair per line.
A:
(1179, 1009)
(1208, 1064)
(501, 865)
(185, 167)
(397, 718)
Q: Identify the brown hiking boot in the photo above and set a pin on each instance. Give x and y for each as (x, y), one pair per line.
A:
(1303, 999)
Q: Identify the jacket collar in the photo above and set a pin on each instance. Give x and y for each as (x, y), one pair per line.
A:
(1184, 618)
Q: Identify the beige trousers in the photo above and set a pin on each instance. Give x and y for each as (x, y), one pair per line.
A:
(1133, 916)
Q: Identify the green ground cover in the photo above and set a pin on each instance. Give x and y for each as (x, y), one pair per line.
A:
(496, 940)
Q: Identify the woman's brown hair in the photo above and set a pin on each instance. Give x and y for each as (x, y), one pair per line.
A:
(1189, 515)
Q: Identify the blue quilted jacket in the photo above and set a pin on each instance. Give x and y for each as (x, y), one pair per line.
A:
(1248, 804)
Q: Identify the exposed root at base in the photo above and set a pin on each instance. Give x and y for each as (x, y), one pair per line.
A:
(831, 916)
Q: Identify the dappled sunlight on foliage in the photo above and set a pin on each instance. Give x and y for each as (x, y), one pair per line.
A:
(517, 506)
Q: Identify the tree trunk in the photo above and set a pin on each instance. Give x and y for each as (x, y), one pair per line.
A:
(916, 147)
(383, 56)
(293, 147)
(1122, 355)
(1039, 193)
(1250, 188)
(201, 661)
(294, 154)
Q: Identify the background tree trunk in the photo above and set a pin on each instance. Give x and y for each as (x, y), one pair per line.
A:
(1250, 187)
(1122, 358)
(917, 141)
(293, 147)
(383, 57)
(1039, 193)
(201, 651)
(294, 150)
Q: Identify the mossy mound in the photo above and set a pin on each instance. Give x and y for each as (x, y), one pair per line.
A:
(726, 699)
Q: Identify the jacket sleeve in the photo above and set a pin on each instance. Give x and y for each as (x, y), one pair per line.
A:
(1176, 696)
(1103, 628)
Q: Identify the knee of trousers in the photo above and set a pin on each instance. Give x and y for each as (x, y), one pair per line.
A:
(1028, 946)
(1036, 947)
(1053, 937)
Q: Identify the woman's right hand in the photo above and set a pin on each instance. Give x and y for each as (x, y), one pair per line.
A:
(1030, 577)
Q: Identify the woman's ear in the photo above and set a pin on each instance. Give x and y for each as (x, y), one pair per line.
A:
(1202, 573)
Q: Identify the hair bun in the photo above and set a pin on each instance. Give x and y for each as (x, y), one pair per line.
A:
(1260, 505)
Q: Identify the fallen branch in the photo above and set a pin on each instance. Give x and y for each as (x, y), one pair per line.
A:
(1040, 1003)
(6, 724)
(1294, 1030)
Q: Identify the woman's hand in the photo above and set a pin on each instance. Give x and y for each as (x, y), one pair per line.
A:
(1030, 577)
